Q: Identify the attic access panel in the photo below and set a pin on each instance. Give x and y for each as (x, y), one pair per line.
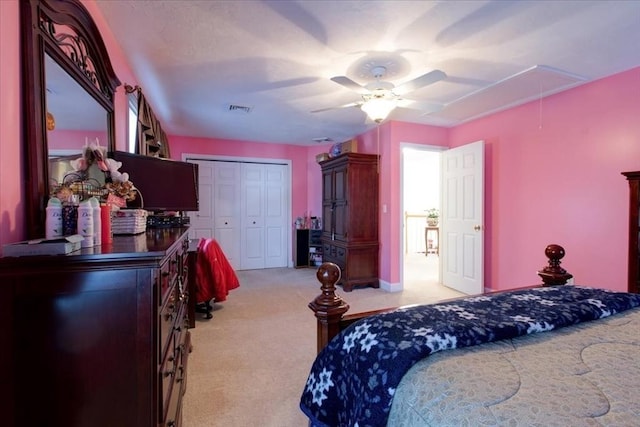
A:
(534, 83)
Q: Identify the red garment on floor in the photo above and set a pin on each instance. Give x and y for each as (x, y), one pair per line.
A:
(214, 275)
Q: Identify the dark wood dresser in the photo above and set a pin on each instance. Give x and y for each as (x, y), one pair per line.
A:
(350, 218)
(97, 337)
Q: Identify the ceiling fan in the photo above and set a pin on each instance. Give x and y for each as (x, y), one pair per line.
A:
(379, 97)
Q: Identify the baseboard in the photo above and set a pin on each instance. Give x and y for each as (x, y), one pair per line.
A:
(390, 287)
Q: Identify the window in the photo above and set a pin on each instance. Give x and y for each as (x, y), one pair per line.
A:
(132, 122)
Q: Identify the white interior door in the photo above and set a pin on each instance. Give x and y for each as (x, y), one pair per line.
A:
(275, 201)
(462, 218)
(226, 212)
(201, 222)
(219, 214)
(253, 216)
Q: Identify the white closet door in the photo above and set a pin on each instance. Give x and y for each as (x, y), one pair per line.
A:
(244, 206)
(252, 207)
(201, 222)
(226, 213)
(275, 202)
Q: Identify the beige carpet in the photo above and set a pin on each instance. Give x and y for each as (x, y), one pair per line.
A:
(250, 362)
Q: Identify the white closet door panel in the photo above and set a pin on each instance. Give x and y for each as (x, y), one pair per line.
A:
(252, 209)
(227, 210)
(275, 215)
(201, 222)
(253, 255)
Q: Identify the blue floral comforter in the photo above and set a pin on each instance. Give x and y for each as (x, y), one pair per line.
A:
(353, 380)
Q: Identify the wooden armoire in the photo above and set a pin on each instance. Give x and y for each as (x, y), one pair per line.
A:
(634, 231)
(350, 218)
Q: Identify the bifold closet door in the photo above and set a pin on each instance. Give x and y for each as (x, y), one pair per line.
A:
(219, 202)
(244, 207)
(263, 211)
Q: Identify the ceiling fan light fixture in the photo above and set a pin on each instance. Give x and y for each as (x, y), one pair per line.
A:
(378, 108)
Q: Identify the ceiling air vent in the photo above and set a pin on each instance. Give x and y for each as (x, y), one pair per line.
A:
(240, 108)
(322, 139)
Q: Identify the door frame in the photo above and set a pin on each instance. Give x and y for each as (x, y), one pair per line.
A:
(418, 147)
(263, 160)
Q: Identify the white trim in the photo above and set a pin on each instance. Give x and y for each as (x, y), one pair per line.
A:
(193, 156)
(390, 287)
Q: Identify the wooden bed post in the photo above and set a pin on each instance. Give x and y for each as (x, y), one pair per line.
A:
(328, 307)
(553, 274)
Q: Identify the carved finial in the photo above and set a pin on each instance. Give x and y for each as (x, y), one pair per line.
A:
(555, 253)
(328, 307)
(328, 275)
(553, 274)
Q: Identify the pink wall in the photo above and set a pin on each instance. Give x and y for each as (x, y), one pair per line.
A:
(11, 206)
(74, 139)
(553, 176)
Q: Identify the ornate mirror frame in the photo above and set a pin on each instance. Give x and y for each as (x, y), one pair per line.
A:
(65, 31)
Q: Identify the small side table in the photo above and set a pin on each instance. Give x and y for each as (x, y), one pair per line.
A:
(435, 229)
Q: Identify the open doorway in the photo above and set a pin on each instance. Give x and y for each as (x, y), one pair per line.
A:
(420, 189)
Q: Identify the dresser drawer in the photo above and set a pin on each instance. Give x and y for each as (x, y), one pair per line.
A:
(167, 320)
(174, 385)
(166, 378)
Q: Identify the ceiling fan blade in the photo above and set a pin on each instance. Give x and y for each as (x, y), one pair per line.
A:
(350, 84)
(424, 80)
(351, 104)
(424, 107)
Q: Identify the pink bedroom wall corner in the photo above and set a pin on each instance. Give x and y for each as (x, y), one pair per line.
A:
(11, 172)
(553, 176)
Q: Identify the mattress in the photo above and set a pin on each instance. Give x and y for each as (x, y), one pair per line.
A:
(582, 375)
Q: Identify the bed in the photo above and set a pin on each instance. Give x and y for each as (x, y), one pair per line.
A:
(544, 355)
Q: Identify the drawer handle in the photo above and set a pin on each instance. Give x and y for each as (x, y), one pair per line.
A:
(169, 373)
(169, 317)
(172, 423)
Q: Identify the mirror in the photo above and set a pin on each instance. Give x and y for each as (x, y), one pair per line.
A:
(73, 118)
(67, 72)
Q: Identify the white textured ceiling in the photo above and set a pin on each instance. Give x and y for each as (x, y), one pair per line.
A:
(195, 58)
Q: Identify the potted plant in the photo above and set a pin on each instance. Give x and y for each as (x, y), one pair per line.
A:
(433, 216)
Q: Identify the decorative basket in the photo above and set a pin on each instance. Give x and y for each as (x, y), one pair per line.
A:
(129, 221)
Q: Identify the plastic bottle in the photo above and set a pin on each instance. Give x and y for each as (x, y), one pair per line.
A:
(105, 218)
(54, 218)
(70, 216)
(97, 221)
(85, 223)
